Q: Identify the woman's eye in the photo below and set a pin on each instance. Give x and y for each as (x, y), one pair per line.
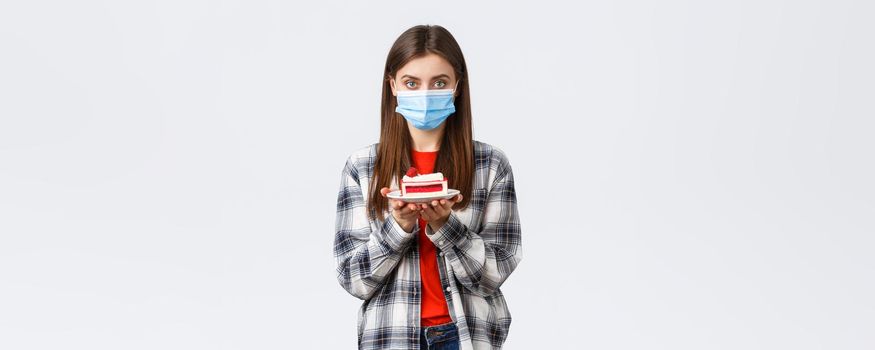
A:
(410, 84)
(439, 84)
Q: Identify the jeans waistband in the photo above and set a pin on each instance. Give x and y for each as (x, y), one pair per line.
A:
(441, 331)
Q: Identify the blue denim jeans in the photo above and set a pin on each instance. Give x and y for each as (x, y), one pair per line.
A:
(440, 337)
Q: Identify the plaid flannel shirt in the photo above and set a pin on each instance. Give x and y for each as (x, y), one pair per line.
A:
(479, 247)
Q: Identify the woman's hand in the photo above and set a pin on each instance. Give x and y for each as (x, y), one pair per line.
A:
(405, 213)
(437, 212)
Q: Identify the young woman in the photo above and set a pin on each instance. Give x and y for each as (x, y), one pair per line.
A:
(429, 273)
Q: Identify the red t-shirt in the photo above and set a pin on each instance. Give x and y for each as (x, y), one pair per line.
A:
(434, 305)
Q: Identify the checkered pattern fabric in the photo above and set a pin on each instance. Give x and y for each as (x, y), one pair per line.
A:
(479, 247)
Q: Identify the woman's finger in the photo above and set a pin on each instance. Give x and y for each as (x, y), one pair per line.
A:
(449, 205)
(428, 210)
(414, 216)
(408, 208)
(424, 215)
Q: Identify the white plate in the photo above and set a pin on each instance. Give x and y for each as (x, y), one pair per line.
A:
(396, 194)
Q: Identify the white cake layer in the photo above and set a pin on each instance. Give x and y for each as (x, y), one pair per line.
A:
(423, 178)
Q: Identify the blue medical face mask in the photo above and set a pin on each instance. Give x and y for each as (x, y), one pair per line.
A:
(426, 109)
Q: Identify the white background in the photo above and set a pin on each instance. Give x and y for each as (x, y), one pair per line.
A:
(690, 175)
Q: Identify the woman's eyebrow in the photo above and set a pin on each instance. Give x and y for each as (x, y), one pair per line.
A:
(433, 78)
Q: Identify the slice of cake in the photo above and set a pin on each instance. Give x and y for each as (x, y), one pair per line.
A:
(415, 185)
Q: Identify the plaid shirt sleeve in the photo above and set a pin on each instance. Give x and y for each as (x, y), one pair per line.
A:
(483, 260)
(364, 257)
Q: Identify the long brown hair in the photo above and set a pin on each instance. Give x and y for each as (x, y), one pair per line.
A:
(455, 157)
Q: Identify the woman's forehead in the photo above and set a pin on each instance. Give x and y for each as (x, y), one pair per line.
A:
(426, 67)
